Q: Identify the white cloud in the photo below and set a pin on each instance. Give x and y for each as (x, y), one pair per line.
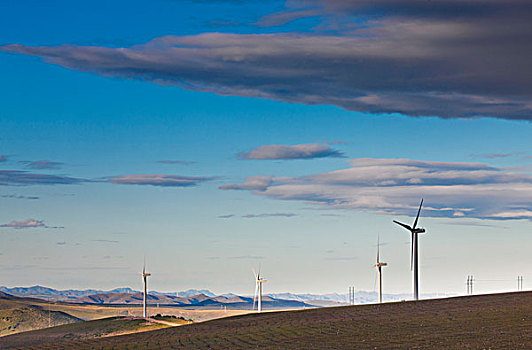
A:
(302, 151)
(395, 186)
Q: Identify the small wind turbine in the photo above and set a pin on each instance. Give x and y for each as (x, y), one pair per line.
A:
(414, 230)
(258, 291)
(145, 276)
(379, 266)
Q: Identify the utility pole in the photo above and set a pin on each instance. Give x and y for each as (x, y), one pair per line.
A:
(519, 283)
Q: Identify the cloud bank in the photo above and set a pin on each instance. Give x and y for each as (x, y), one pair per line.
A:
(302, 151)
(28, 223)
(17, 177)
(445, 58)
(42, 164)
(159, 180)
(395, 186)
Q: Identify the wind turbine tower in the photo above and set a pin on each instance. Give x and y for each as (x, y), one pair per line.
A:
(258, 291)
(379, 266)
(414, 256)
(145, 276)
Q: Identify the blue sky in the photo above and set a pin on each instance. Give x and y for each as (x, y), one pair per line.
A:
(103, 124)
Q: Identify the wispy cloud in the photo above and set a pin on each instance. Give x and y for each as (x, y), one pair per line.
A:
(180, 162)
(395, 186)
(105, 241)
(21, 178)
(28, 223)
(247, 257)
(257, 183)
(19, 196)
(302, 151)
(413, 57)
(41, 164)
(159, 180)
(269, 215)
(497, 155)
(3, 158)
(226, 216)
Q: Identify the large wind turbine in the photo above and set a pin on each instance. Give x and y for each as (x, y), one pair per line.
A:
(258, 291)
(379, 266)
(145, 276)
(414, 230)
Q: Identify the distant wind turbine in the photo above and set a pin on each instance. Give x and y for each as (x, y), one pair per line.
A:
(379, 266)
(145, 276)
(414, 230)
(258, 291)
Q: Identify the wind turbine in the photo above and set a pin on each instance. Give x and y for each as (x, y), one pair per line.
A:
(379, 266)
(414, 230)
(145, 276)
(258, 291)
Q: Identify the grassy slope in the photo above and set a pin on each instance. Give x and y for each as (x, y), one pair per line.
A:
(22, 314)
(501, 321)
(81, 330)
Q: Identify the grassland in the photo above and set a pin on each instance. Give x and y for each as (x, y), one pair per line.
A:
(500, 321)
(27, 314)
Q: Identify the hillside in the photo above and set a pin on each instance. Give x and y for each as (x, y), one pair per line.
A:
(84, 330)
(500, 321)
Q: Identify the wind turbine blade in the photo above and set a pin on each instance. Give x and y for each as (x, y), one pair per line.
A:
(255, 274)
(412, 252)
(144, 266)
(404, 225)
(259, 270)
(418, 211)
(378, 246)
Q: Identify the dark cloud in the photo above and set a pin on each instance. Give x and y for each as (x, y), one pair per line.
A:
(61, 243)
(180, 162)
(41, 164)
(302, 151)
(226, 216)
(105, 241)
(497, 155)
(159, 180)
(445, 58)
(16, 177)
(19, 196)
(395, 186)
(268, 215)
(28, 223)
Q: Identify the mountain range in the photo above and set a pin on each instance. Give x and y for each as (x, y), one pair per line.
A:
(199, 297)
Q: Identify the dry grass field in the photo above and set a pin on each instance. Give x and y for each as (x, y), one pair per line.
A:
(498, 321)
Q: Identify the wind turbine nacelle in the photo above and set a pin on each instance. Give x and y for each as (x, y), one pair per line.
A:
(419, 230)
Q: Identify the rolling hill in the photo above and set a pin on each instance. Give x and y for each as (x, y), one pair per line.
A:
(22, 314)
(83, 330)
(498, 321)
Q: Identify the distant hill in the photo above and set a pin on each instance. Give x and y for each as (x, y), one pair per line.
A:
(329, 299)
(498, 321)
(54, 294)
(195, 301)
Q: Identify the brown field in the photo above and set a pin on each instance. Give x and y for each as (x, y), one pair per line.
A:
(498, 321)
